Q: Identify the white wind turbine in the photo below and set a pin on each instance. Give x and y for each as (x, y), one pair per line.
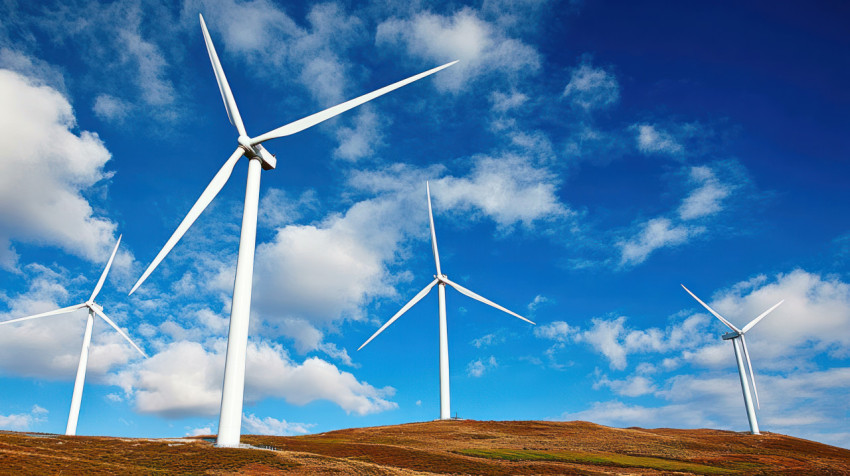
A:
(93, 308)
(734, 336)
(230, 419)
(440, 280)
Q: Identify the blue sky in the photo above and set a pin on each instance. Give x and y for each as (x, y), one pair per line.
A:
(585, 159)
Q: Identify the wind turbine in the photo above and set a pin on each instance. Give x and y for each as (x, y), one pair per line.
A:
(230, 419)
(735, 336)
(440, 280)
(93, 308)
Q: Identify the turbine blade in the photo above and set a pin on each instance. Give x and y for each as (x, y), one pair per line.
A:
(105, 271)
(729, 324)
(756, 320)
(114, 326)
(404, 309)
(48, 313)
(209, 194)
(433, 231)
(322, 116)
(482, 299)
(750, 366)
(223, 85)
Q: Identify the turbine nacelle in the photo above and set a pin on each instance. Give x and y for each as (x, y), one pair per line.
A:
(731, 335)
(257, 151)
(94, 306)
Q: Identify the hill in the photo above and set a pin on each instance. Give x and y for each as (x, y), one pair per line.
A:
(453, 447)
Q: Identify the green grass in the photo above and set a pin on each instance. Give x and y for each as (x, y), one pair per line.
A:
(602, 459)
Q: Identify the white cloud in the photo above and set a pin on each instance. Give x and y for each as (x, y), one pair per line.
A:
(359, 142)
(651, 140)
(23, 421)
(504, 102)
(481, 47)
(487, 340)
(592, 88)
(611, 337)
(110, 108)
(52, 343)
(478, 367)
(184, 379)
(706, 199)
(633, 386)
(538, 301)
(252, 424)
(206, 430)
(655, 233)
(42, 191)
(508, 189)
(559, 331)
(815, 316)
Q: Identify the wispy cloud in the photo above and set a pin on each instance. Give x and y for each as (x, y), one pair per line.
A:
(481, 47)
(591, 87)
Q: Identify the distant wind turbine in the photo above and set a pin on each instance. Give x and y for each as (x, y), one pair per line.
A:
(734, 336)
(93, 308)
(230, 419)
(440, 280)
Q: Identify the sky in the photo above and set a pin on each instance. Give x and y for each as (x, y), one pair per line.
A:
(585, 159)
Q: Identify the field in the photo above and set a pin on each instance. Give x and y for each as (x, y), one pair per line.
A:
(438, 447)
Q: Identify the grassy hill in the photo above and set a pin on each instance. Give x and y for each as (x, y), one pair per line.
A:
(453, 447)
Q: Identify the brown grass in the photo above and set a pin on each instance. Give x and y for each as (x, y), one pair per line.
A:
(439, 447)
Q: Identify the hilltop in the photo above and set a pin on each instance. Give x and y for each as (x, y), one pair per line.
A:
(441, 447)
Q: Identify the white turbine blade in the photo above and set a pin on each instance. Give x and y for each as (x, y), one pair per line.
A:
(729, 324)
(209, 194)
(433, 232)
(322, 116)
(114, 326)
(223, 85)
(482, 299)
(750, 366)
(756, 320)
(105, 271)
(404, 309)
(45, 314)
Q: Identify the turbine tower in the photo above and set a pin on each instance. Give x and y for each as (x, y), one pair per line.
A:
(735, 336)
(440, 280)
(230, 419)
(94, 308)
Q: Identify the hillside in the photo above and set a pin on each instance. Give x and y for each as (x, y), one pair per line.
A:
(454, 447)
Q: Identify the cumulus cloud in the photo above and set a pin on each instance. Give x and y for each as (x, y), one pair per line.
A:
(478, 367)
(271, 426)
(611, 338)
(815, 316)
(509, 189)
(633, 386)
(184, 379)
(42, 191)
(592, 88)
(23, 421)
(481, 47)
(52, 343)
(359, 142)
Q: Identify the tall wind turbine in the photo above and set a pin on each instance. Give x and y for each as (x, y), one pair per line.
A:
(440, 280)
(735, 336)
(93, 308)
(230, 419)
